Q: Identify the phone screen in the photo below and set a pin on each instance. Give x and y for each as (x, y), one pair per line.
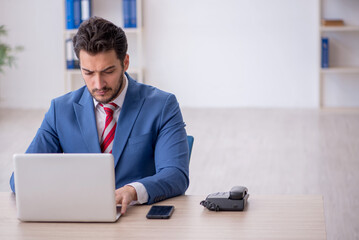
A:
(160, 212)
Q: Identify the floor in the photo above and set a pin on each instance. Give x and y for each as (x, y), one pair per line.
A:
(270, 151)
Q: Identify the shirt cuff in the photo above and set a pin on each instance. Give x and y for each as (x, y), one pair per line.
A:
(142, 195)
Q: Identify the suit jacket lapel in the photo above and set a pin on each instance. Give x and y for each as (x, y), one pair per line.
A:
(86, 119)
(129, 112)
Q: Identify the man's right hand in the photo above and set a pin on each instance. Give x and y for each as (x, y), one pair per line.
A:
(124, 196)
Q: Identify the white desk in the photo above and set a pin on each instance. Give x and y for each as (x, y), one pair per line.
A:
(266, 217)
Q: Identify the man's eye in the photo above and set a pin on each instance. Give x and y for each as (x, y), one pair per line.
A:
(109, 72)
(88, 73)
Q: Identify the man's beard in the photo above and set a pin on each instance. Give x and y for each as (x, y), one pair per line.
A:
(115, 92)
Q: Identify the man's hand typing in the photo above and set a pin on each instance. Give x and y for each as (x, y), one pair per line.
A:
(124, 196)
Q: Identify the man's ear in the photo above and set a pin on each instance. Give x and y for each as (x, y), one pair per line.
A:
(126, 62)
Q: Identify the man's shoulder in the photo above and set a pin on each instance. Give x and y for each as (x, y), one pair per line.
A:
(71, 97)
(150, 92)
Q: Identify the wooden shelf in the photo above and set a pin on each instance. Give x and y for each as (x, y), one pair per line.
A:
(70, 32)
(130, 71)
(73, 71)
(339, 29)
(132, 30)
(340, 70)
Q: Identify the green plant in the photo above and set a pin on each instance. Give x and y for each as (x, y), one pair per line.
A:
(6, 51)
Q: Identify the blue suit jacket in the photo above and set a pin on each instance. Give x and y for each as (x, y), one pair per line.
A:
(150, 144)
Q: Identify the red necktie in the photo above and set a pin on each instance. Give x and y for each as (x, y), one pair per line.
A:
(108, 133)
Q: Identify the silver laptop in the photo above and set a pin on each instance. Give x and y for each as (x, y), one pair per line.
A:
(65, 187)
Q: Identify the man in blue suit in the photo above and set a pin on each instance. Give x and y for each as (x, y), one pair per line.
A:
(148, 139)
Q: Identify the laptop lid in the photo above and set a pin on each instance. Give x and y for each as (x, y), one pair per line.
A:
(65, 187)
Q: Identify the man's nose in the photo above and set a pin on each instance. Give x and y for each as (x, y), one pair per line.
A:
(99, 83)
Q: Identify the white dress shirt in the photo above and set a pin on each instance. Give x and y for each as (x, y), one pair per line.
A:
(142, 195)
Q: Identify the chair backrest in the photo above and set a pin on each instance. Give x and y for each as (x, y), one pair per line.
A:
(190, 140)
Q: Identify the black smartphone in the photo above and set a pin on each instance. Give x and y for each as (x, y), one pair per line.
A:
(160, 212)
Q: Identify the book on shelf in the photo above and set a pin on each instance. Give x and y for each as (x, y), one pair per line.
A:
(332, 22)
(69, 9)
(76, 60)
(77, 11)
(126, 13)
(72, 62)
(133, 16)
(325, 52)
(85, 10)
(129, 14)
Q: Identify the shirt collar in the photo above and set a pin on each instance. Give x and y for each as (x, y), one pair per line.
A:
(120, 98)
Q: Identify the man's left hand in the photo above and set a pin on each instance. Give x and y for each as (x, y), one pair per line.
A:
(124, 196)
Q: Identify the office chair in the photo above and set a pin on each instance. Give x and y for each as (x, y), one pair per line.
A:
(190, 140)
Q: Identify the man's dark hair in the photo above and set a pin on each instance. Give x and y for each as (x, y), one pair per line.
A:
(97, 35)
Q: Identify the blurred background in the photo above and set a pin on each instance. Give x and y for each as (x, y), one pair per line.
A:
(249, 76)
(245, 53)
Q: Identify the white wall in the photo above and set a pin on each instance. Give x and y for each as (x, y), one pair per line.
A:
(38, 26)
(210, 53)
(229, 53)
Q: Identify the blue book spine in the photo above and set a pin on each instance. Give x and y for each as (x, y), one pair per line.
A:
(70, 63)
(325, 52)
(126, 14)
(133, 14)
(77, 13)
(69, 6)
(85, 10)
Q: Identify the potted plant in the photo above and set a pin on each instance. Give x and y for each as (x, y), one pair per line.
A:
(6, 51)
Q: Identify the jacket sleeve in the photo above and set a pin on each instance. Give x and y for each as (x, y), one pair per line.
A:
(46, 139)
(171, 156)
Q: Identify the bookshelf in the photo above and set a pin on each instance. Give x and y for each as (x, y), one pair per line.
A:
(111, 10)
(324, 29)
(340, 70)
(339, 83)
